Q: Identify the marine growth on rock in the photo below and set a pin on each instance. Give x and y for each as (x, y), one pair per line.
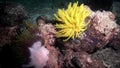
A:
(72, 21)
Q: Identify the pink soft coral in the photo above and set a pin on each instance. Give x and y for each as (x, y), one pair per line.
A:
(39, 55)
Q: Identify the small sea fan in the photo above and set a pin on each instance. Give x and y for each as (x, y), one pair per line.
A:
(72, 21)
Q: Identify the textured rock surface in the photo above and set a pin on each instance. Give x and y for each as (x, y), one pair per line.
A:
(98, 47)
(7, 34)
(11, 19)
(101, 30)
(12, 14)
(81, 59)
(115, 42)
(109, 57)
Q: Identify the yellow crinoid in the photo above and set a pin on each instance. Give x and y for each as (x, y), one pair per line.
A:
(72, 21)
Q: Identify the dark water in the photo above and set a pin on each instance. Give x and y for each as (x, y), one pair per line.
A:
(47, 8)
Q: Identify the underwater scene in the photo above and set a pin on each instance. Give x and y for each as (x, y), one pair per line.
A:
(59, 33)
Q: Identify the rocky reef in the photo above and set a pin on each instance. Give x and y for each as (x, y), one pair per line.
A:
(24, 44)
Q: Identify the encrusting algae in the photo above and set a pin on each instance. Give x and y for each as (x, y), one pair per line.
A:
(72, 21)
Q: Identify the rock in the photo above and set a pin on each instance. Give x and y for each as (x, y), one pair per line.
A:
(53, 57)
(46, 31)
(76, 62)
(107, 56)
(12, 14)
(11, 20)
(115, 42)
(100, 31)
(7, 34)
(81, 59)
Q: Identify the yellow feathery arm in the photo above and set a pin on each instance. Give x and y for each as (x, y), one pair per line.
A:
(72, 21)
